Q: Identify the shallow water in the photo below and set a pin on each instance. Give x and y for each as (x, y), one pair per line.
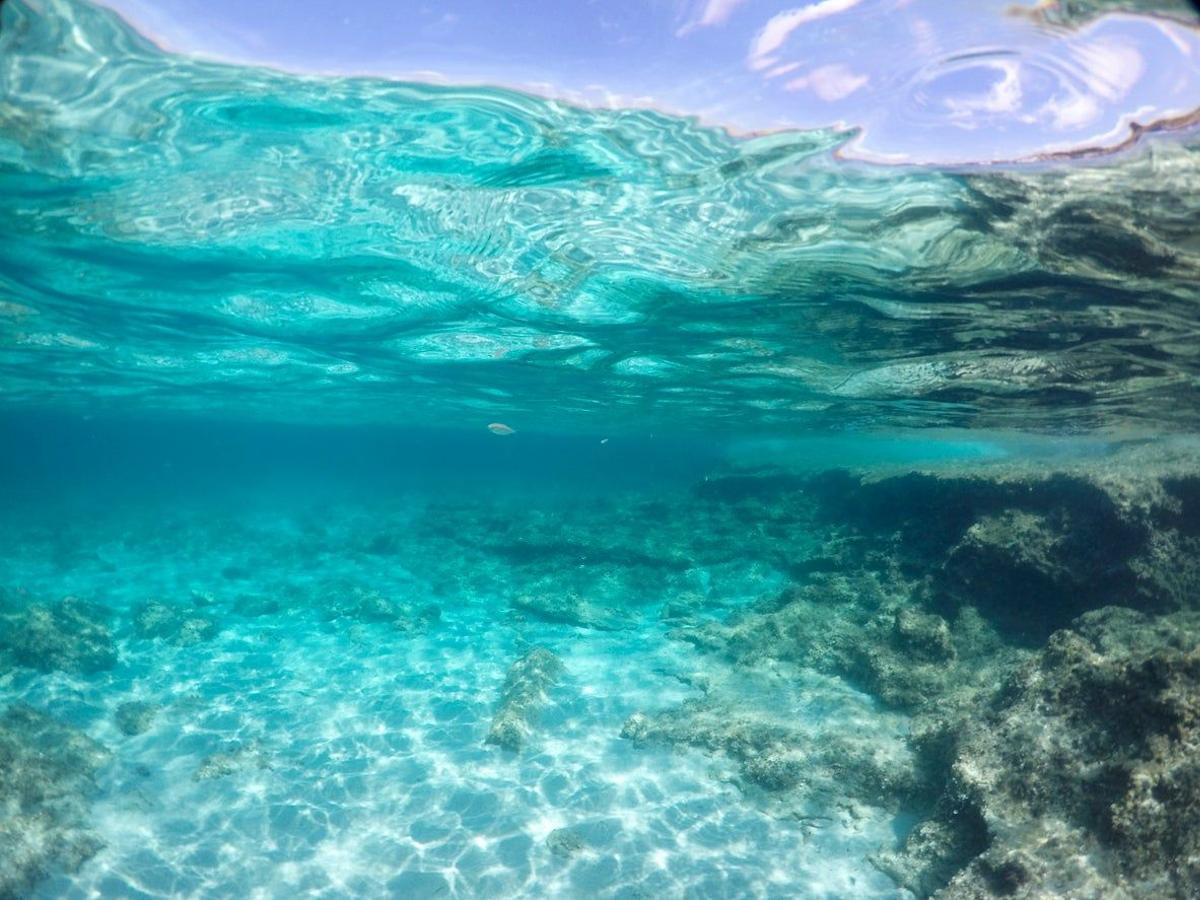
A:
(463, 494)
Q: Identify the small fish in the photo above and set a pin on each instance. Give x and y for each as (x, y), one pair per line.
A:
(604, 440)
(501, 429)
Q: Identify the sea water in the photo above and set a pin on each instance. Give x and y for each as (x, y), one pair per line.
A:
(464, 494)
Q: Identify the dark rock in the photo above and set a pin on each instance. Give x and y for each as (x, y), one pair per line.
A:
(1034, 572)
(522, 698)
(683, 608)
(1082, 774)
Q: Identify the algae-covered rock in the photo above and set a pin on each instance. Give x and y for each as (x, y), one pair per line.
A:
(254, 605)
(1083, 772)
(1033, 572)
(523, 697)
(565, 842)
(175, 624)
(135, 717)
(863, 626)
(238, 758)
(47, 778)
(922, 636)
(774, 756)
(569, 609)
(685, 607)
(367, 605)
(71, 635)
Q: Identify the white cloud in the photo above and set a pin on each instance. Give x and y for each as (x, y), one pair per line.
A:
(780, 27)
(1004, 97)
(717, 11)
(1073, 112)
(833, 82)
(784, 69)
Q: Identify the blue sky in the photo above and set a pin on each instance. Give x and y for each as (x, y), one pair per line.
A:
(927, 80)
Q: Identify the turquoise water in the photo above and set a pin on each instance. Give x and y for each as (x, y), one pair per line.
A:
(464, 494)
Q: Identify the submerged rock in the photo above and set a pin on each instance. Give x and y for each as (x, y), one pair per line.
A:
(1032, 571)
(47, 778)
(70, 635)
(177, 625)
(569, 609)
(686, 607)
(1082, 777)
(774, 756)
(366, 605)
(565, 842)
(254, 605)
(240, 758)
(135, 717)
(523, 697)
(865, 627)
(906, 664)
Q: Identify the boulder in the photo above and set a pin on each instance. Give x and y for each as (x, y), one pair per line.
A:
(523, 697)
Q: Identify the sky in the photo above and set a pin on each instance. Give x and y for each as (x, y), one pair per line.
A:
(925, 81)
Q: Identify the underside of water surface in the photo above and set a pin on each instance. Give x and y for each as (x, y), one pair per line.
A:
(442, 491)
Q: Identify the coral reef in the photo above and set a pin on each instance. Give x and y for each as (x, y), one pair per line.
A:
(522, 698)
(47, 778)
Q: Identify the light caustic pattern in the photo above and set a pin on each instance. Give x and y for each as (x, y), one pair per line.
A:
(294, 751)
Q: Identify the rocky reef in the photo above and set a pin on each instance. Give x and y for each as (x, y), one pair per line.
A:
(357, 603)
(522, 698)
(174, 624)
(1039, 631)
(569, 609)
(978, 681)
(240, 757)
(135, 717)
(1079, 777)
(47, 778)
(788, 764)
(71, 635)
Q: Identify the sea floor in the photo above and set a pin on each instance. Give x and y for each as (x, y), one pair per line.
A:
(306, 710)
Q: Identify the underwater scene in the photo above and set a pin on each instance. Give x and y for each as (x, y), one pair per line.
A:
(433, 489)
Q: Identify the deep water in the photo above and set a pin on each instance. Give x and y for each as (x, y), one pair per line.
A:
(413, 491)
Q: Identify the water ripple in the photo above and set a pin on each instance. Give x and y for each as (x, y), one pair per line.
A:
(188, 235)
